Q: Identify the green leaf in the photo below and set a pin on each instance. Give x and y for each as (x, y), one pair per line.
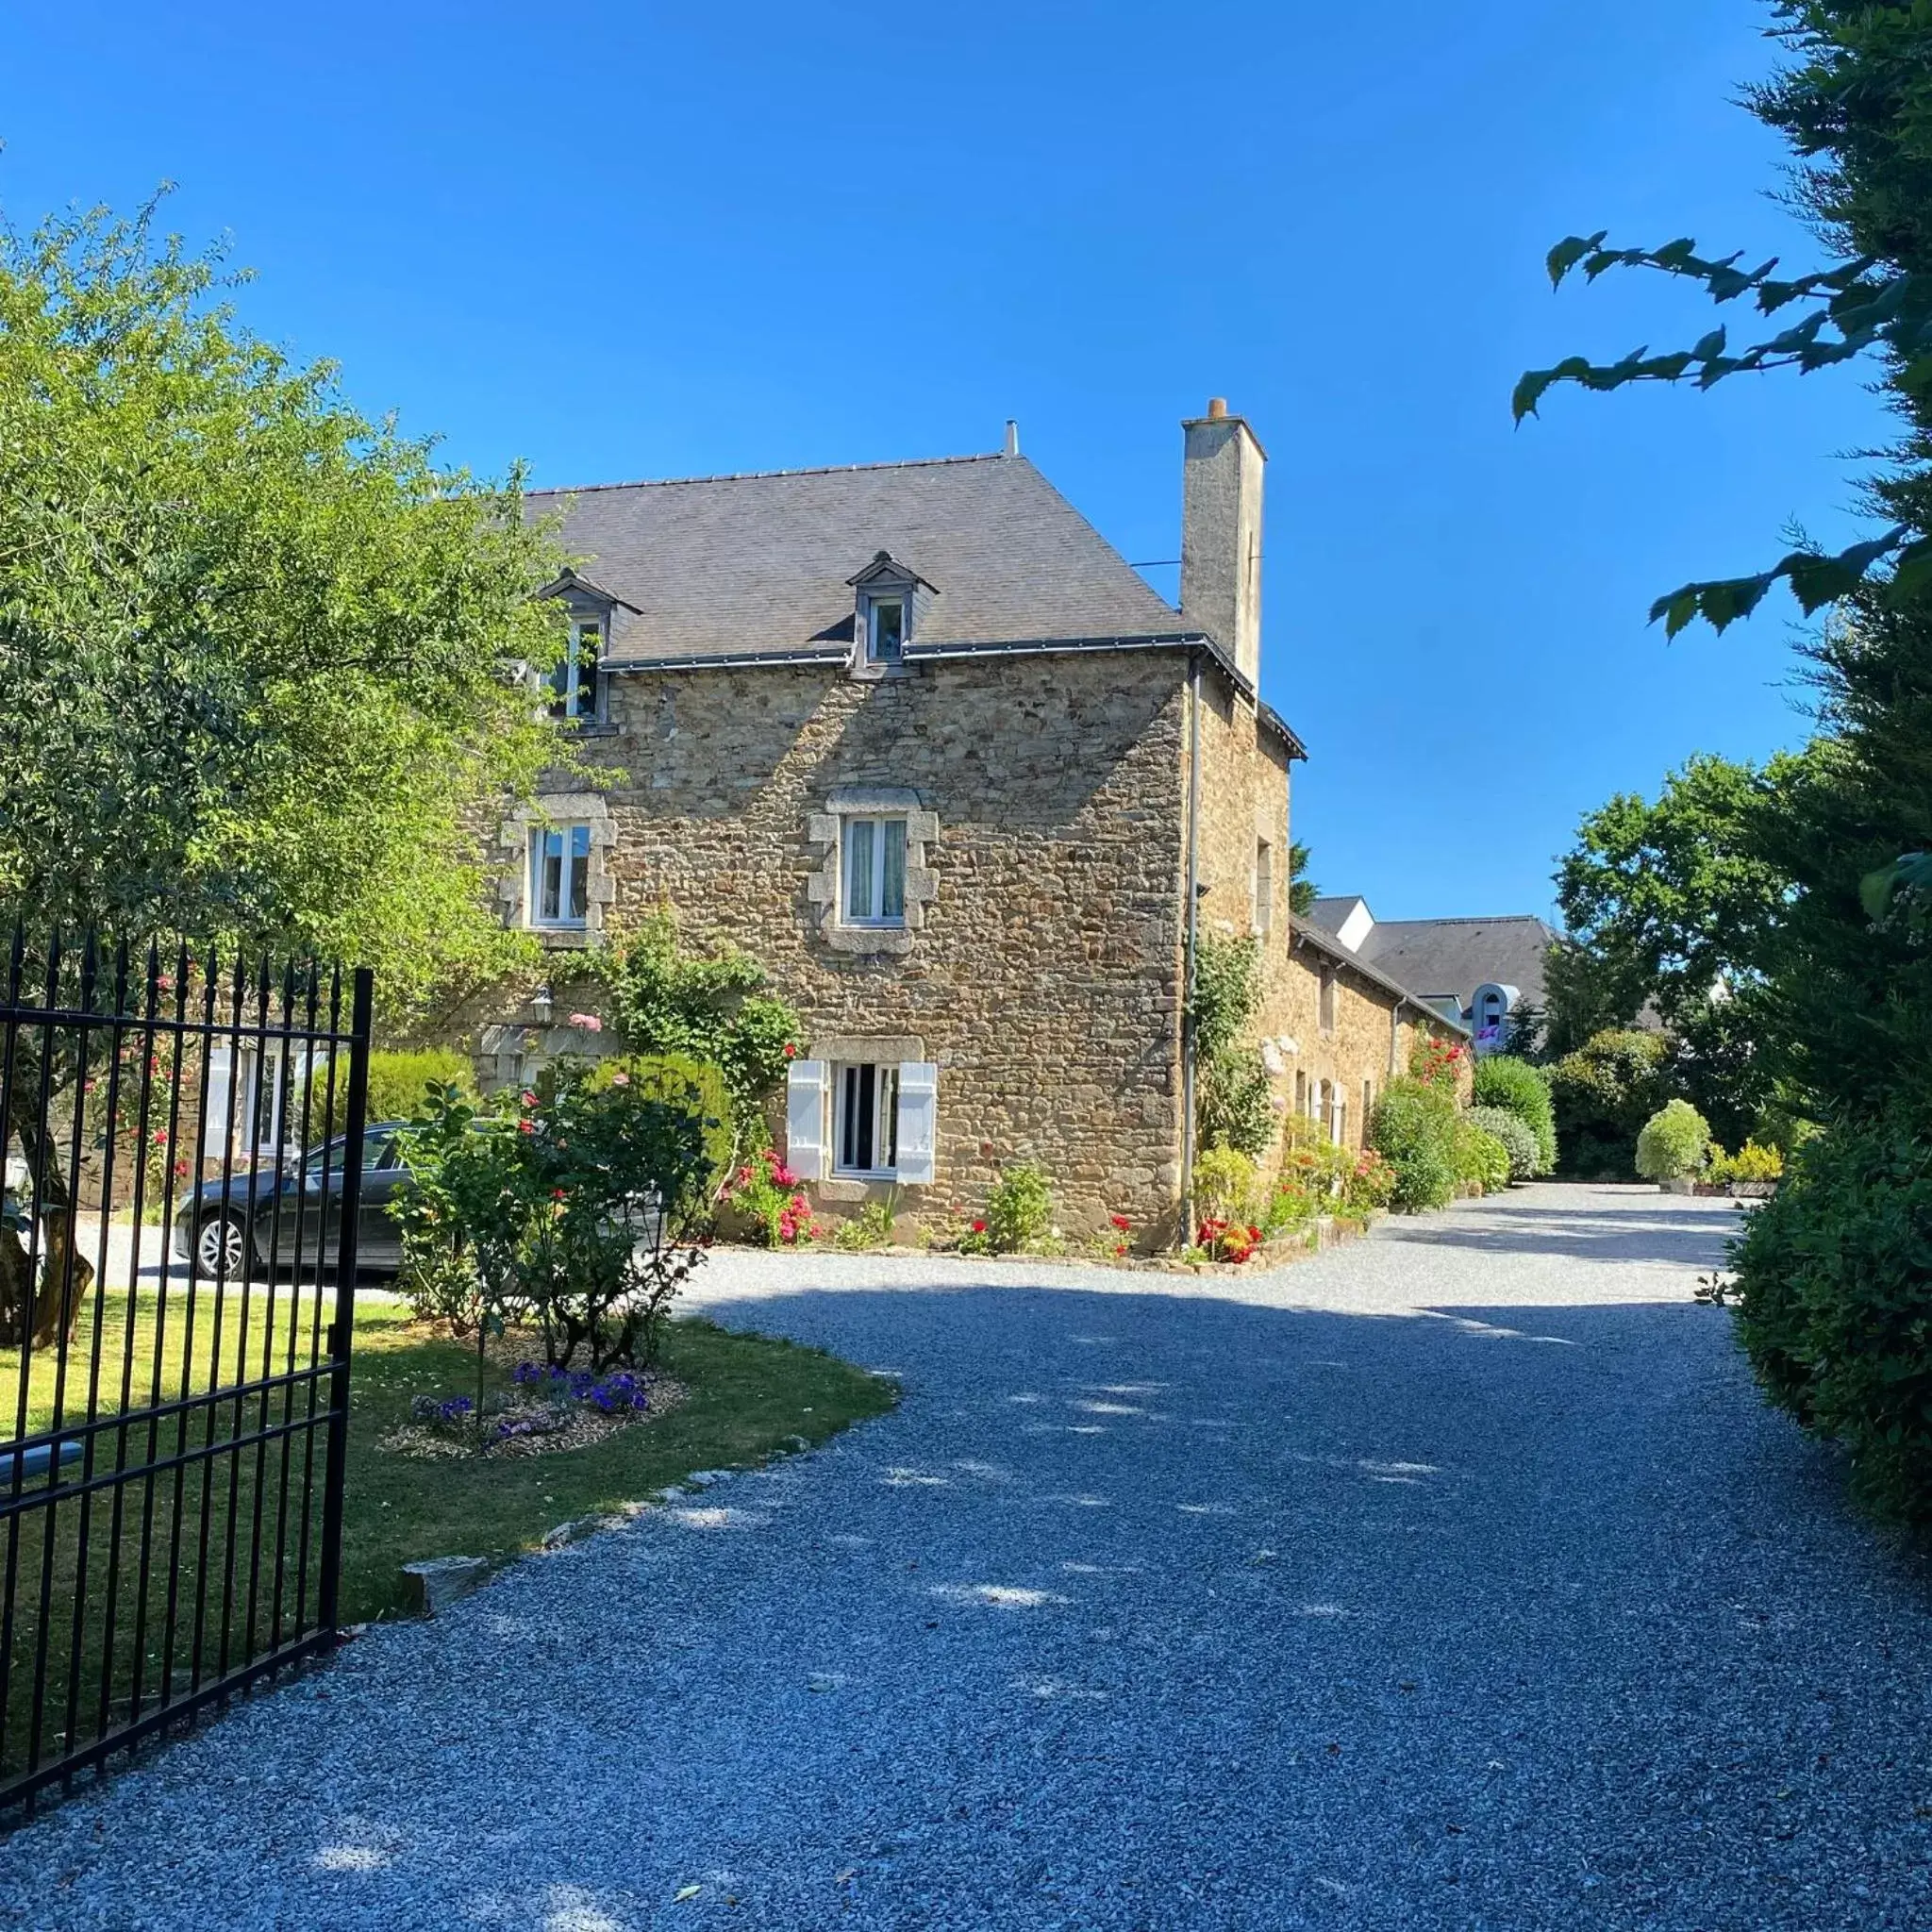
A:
(1569, 252)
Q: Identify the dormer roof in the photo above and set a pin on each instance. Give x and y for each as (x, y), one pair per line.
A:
(570, 582)
(886, 568)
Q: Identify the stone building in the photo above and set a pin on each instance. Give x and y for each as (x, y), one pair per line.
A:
(916, 737)
(1481, 972)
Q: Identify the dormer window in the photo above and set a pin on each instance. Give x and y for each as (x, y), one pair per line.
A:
(885, 630)
(891, 595)
(574, 680)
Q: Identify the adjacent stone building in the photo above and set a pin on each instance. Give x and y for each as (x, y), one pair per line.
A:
(916, 737)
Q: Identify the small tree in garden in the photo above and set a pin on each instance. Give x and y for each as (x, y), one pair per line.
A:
(1674, 1142)
(576, 1210)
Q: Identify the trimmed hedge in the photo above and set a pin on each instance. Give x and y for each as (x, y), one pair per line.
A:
(1675, 1142)
(1519, 1088)
(1832, 1305)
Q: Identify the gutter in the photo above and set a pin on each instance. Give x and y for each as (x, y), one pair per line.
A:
(1187, 1226)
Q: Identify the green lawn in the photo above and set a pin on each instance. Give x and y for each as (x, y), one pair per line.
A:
(748, 1395)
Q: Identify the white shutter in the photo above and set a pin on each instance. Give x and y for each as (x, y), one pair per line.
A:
(215, 1125)
(919, 1093)
(804, 1119)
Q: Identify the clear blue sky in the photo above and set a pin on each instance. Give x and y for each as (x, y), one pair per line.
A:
(630, 239)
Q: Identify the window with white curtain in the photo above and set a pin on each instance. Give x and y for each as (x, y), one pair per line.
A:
(872, 862)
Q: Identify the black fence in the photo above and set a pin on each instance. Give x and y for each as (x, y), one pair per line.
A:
(183, 1140)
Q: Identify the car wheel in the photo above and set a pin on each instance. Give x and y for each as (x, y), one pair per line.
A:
(220, 1248)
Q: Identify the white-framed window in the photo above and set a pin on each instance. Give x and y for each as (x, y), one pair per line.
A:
(574, 680)
(885, 630)
(560, 882)
(873, 871)
(865, 1120)
(1261, 915)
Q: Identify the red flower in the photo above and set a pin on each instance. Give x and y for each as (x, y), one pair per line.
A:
(527, 1126)
(557, 1193)
(979, 1227)
(528, 1098)
(1121, 1222)
(791, 1051)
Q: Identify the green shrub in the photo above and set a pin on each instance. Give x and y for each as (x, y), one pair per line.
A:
(1832, 1306)
(1224, 1184)
(1019, 1210)
(399, 1086)
(1482, 1161)
(1602, 1093)
(1413, 1127)
(1513, 1131)
(717, 1010)
(1751, 1162)
(871, 1226)
(683, 1081)
(1234, 1102)
(1369, 1185)
(1519, 1088)
(1234, 1106)
(1289, 1206)
(1674, 1142)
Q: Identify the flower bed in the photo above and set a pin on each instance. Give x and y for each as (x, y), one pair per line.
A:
(545, 1410)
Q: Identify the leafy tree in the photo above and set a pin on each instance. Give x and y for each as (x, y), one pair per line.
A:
(1302, 890)
(1671, 905)
(253, 652)
(1602, 1093)
(252, 647)
(1233, 1105)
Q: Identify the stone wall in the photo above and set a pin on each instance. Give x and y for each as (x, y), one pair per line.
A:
(1040, 966)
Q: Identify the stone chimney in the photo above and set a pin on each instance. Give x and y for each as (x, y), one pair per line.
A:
(1220, 534)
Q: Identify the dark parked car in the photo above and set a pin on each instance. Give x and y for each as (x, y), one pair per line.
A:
(221, 1222)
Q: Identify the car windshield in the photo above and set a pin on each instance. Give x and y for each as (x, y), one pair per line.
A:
(375, 1153)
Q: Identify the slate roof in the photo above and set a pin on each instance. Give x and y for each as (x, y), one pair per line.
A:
(724, 566)
(1450, 957)
(761, 565)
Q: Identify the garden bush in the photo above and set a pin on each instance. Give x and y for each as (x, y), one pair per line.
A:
(1413, 1127)
(871, 1226)
(1233, 1104)
(1751, 1162)
(1519, 1088)
(576, 1210)
(1831, 1303)
(717, 1010)
(1019, 1210)
(1482, 1161)
(1224, 1184)
(764, 1200)
(1602, 1095)
(399, 1086)
(1674, 1144)
(681, 1081)
(1514, 1132)
(1371, 1184)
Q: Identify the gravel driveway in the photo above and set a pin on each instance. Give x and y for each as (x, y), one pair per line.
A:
(1456, 1578)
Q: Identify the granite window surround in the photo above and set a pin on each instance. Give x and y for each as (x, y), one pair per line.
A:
(590, 808)
(825, 833)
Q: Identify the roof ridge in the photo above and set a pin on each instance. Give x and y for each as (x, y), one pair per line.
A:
(992, 456)
(1457, 918)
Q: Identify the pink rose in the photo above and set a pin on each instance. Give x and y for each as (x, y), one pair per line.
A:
(587, 1023)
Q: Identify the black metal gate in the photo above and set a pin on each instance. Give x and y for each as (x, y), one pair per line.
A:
(183, 1141)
